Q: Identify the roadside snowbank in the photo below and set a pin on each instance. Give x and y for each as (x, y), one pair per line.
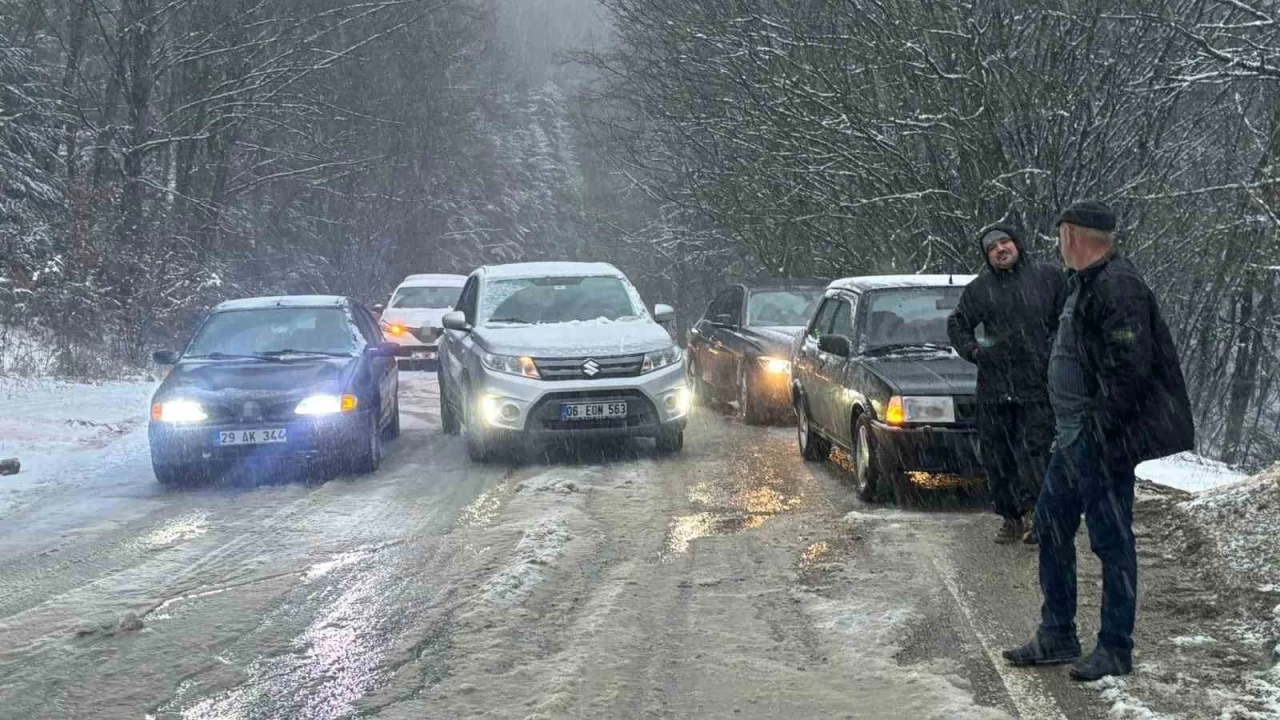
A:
(1189, 472)
(1243, 521)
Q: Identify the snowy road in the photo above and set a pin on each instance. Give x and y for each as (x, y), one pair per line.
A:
(733, 581)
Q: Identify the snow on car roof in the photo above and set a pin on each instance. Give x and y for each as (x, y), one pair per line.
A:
(549, 269)
(885, 282)
(283, 301)
(434, 280)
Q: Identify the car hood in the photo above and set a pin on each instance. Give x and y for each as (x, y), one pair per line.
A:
(926, 374)
(232, 379)
(416, 317)
(774, 340)
(575, 339)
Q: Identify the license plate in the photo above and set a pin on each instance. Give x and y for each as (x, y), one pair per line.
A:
(262, 436)
(593, 411)
(422, 355)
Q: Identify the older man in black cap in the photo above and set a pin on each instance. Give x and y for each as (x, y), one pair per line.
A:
(1119, 398)
(1017, 303)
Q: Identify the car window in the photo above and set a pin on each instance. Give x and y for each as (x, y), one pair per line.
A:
(277, 330)
(411, 296)
(842, 319)
(722, 305)
(781, 308)
(910, 315)
(367, 326)
(536, 301)
(821, 324)
(467, 300)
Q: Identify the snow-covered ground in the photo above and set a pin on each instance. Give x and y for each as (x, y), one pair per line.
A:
(53, 428)
(1189, 472)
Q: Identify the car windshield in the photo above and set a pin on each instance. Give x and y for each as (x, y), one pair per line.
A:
(782, 308)
(910, 316)
(425, 297)
(534, 301)
(276, 331)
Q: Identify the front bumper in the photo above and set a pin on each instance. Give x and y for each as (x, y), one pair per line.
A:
(657, 402)
(307, 439)
(417, 349)
(928, 448)
(772, 390)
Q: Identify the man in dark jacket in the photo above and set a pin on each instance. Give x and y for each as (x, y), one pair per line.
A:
(1017, 303)
(1119, 398)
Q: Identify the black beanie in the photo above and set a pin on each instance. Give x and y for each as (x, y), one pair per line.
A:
(1093, 214)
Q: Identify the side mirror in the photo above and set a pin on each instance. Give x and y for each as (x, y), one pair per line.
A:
(838, 345)
(663, 313)
(165, 357)
(724, 320)
(379, 308)
(456, 320)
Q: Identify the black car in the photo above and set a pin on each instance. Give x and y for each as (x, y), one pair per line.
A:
(741, 349)
(875, 374)
(302, 381)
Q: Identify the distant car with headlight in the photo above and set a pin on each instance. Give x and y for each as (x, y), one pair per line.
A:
(558, 351)
(874, 374)
(740, 351)
(412, 317)
(276, 382)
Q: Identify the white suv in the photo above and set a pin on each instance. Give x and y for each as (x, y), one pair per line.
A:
(411, 318)
(559, 350)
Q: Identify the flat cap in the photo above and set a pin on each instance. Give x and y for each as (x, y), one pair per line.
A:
(1093, 214)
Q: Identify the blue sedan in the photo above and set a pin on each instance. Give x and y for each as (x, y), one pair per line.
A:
(293, 381)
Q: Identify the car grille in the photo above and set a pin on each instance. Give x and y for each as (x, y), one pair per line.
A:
(589, 368)
(425, 335)
(251, 412)
(640, 412)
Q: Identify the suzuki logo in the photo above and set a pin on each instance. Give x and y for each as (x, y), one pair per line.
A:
(591, 368)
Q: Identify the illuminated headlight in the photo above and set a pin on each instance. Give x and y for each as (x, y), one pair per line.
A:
(678, 402)
(921, 409)
(659, 359)
(775, 366)
(497, 411)
(327, 405)
(511, 365)
(179, 412)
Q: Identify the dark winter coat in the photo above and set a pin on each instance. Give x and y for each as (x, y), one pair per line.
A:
(1018, 309)
(1140, 407)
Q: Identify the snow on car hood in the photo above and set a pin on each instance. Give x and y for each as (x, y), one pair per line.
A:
(416, 317)
(574, 339)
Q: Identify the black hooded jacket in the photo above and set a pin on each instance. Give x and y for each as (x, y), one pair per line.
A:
(1018, 310)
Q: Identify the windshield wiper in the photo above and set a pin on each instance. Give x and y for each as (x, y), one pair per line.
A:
(896, 347)
(275, 354)
(233, 356)
(509, 321)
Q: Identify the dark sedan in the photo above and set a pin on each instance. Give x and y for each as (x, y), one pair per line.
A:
(741, 349)
(875, 375)
(276, 382)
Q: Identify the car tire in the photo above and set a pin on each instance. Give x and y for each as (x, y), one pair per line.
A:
(169, 475)
(393, 428)
(479, 441)
(369, 456)
(813, 447)
(868, 478)
(670, 440)
(748, 408)
(448, 416)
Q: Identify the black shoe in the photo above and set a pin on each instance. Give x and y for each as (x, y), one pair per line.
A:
(1101, 663)
(1044, 651)
(1010, 531)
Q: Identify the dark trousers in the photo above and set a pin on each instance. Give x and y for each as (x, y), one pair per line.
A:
(1014, 440)
(1079, 482)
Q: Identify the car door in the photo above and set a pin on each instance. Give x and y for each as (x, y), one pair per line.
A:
(383, 374)
(839, 402)
(724, 365)
(710, 343)
(452, 357)
(806, 365)
(701, 335)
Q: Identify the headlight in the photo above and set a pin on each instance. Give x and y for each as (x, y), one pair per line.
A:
(659, 359)
(511, 365)
(920, 409)
(182, 412)
(327, 405)
(776, 366)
